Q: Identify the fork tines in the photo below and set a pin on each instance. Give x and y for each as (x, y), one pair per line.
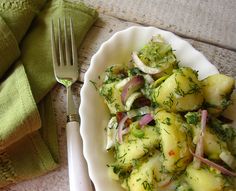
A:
(67, 48)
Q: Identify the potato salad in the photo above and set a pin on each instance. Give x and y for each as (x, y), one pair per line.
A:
(166, 130)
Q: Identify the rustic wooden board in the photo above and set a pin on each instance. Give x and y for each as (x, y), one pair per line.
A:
(103, 29)
(209, 21)
(106, 26)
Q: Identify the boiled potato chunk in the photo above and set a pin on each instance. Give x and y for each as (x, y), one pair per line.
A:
(136, 144)
(180, 92)
(174, 141)
(213, 146)
(148, 176)
(112, 97)
(143, 178)
(217, 90)
(204, 179)
(229, 112)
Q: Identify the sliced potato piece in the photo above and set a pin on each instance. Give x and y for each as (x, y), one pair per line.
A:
(143, 179)
(217, 90)
(174, 141)
(204, 179)
(229, 112)
(149, 176)
(180, 92)
(213, 146)
(136, 144)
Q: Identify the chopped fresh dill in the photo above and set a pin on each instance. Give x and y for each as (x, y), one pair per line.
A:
(94, 84)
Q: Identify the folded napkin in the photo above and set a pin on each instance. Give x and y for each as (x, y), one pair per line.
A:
(28, 135)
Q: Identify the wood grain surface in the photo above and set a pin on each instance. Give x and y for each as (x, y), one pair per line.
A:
(211, 21)
(106, 26)
(209, 25)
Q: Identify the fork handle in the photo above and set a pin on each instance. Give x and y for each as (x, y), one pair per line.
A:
(78, 172)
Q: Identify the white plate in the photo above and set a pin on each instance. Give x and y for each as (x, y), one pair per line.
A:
(94, 113)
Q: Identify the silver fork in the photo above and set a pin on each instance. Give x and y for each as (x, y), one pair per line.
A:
(66, 72)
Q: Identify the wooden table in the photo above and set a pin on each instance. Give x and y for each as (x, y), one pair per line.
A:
(209, 25)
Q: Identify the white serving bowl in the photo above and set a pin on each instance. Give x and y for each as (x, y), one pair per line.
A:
(94, 113)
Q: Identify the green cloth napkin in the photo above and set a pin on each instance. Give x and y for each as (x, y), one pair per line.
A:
(28, 134)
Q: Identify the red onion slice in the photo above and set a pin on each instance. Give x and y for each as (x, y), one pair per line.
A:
(214, 165)
(140, 111)
(148, 78)
(145, 119)
(144, 68)
(199, 148)
(120, 128)
(131, 86)
(131, 99)
(125, 131)
(165, 183)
